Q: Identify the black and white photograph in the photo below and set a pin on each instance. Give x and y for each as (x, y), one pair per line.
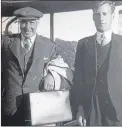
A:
(61, 63)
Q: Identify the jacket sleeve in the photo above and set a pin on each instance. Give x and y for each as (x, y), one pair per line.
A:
(2, 68)
(60, 67)
(4, 48)
(53, 51)
(78, 83)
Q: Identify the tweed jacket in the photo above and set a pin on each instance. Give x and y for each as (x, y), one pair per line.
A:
(14, 82)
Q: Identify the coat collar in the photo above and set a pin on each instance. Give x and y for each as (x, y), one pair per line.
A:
(38, 46)
(90, 45)
(15, 46)
(106, 35)
(115, 69)
(116, 49)
(38, 49)
(91, 48)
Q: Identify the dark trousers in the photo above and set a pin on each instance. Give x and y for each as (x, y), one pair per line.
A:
(13, 120)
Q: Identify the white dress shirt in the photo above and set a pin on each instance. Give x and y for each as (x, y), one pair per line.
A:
(31, 41)
(107, 37)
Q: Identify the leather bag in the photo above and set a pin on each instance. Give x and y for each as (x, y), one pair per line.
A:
(48, 107)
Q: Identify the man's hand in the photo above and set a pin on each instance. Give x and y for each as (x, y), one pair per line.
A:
(49, 82)
(81, 121)
(81, 117)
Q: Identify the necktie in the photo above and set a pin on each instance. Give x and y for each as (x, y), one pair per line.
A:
(102, 39)
(27, 44)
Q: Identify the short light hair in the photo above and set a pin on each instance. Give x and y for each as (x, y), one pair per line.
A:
(97, 4)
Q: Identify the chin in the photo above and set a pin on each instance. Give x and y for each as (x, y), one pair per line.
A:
(28, 35)
(102, 30)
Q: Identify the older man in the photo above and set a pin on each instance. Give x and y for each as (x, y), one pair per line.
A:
(24, 58)
(97, 88)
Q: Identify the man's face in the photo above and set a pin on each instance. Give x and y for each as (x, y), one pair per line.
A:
(28, 27)
(103, 17)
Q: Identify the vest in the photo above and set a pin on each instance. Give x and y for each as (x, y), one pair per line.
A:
(102, 105)
(26, 59)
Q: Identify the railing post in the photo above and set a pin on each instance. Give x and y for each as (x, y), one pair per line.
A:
(51, 27)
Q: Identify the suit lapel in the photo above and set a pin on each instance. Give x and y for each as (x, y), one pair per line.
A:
(90, 45)
(114, 76)
(115, 62)
(39, 48)
(91, 49)
(91, 56)
(37, 56)
(15, 48)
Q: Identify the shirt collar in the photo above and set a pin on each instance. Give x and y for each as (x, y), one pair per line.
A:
(32, 39)
(107, 35)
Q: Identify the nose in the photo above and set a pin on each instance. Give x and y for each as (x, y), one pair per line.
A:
(101, 17)
(28, 25)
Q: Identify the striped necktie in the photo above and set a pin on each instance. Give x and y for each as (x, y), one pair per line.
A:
(27, 44)
(102, 38)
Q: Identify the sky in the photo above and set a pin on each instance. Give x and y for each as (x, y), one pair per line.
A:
(68, 26)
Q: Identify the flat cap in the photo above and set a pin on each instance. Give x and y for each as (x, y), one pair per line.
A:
(28, 13)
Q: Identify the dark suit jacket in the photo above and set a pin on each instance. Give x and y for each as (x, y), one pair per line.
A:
(85, 72)
(14, 82)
